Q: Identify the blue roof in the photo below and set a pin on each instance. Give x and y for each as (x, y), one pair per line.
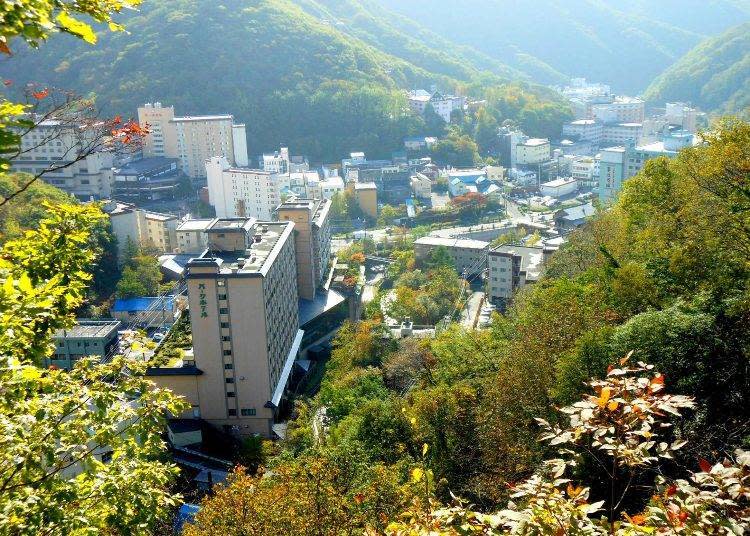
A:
(142, 304)
(186, 514)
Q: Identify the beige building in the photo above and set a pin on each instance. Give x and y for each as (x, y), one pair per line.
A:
(469, 256)
(421, 185)
(192, 139)
(510, 268)
(366, 196)
(312, 241)
(52, 144)
(244, 315)
(142, 227)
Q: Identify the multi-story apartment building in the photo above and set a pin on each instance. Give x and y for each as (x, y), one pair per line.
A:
(532, 151)
(584, 129)
(681, 115)
(54, 144)
(241, 192)
(510, 268)
(619, 110)
(192, 139)
(621, 133)
(142, 227)
(244, 318)
(276, 162)
(192, 236)
(583, 170)
(469, 256)
(94, 338)
(312, 241)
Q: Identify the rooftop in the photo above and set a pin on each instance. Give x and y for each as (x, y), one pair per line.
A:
(562, 181)
(532, 258)
(89, 329)
(144, 165)
(267, 240)
(535, 142)
(189, 118)
(365, 186)
(467, 243)
(224, 225)
(195, 224)
(142, 304)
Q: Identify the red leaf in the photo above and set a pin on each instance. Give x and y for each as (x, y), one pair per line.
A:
(671, 490)
(704, 465)
(4, 47)
(7, 83)
(117, 120)
(39, 95)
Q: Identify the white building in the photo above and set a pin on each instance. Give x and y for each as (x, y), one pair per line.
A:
(620, 110)
(443, 104)
(241, 192)
(52, 144)
(583, 169)
(682, 115)
(276, 162)
(533, 151)
(621, 133)
(560, 187)
(421, 185)
(584, 129)
(330, 186)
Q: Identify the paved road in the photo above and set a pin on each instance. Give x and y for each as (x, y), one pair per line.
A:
(513, 210)
(470, 312)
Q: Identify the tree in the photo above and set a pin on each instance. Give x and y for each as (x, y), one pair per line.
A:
(434, 124)
(470, 206)
(140, 277)
(456, 150)
(56, 424)
(485, 131)
(625, 426)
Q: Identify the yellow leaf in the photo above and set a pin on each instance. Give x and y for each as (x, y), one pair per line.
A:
(114, 27)
(31, 373)
(425, 448)
(413, 420)
(76, 27)
(604, 397)
(612, 406)
(416, 474)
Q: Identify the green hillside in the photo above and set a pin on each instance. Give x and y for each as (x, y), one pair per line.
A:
(624, 44)
(715, 75)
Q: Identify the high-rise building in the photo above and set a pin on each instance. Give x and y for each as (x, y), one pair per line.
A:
(312, 241)
(612, 172)
(244, 317)
(192, 139)
(237, 192)
(56, 145)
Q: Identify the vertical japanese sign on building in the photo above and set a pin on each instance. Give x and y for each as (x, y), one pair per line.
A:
(203, 303)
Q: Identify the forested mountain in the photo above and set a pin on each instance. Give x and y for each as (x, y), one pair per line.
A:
(296, 73)
(715, 75)
(599, 39)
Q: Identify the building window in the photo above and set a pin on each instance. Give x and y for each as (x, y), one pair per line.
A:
(229, 380)
(226, 338)
(224, 311)
(225, 325)
(230, 394)
(248, 412)
(232, 412)
(228, 366)
(227, 352)
(222, 296)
